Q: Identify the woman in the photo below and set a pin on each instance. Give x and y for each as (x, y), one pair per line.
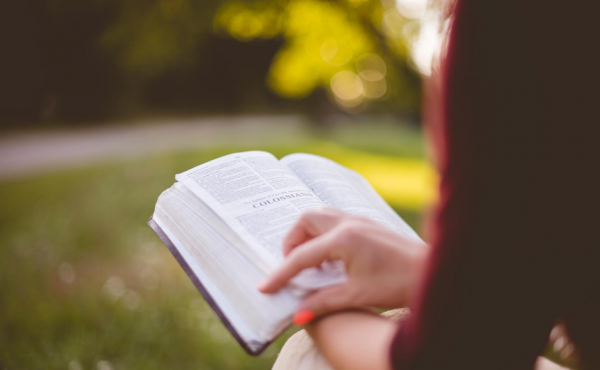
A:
(515, 246)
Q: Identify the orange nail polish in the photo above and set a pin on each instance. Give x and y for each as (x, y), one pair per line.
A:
(304, 317)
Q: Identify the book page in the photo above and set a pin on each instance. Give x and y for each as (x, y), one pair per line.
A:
(205, 248)
(243, 330)
(207, 215)
(346, 190)
(260, 200)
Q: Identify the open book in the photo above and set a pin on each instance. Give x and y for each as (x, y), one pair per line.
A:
(224, 221)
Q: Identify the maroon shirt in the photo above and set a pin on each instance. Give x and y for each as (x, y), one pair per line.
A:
(517, 230)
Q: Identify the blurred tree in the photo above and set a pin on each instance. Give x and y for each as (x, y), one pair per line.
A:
(51, 64)
(354, 49)
(70, 60)
(149, 37)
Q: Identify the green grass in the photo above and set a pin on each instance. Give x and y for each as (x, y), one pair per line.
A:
(82, 278)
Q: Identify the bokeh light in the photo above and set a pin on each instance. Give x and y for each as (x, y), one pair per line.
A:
(413, 9)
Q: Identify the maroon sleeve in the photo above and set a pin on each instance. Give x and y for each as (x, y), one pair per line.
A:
(520, 93)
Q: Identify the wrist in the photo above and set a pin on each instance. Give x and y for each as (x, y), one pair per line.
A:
(408, 273)
(334, 318)
(419, 263)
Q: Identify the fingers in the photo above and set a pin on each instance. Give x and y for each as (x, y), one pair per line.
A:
(562, 344)
(312, 254)
(311, 224)
(324, 235)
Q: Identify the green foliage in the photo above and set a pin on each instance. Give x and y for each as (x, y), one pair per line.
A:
(324, 44)
(89, 61)
(152, 36)
(321, 40)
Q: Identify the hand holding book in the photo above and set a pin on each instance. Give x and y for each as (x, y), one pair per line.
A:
(381, 265)
(225, 223)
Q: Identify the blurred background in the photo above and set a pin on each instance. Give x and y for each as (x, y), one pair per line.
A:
(102, 102)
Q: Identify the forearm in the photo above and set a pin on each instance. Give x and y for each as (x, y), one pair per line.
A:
(354, 340)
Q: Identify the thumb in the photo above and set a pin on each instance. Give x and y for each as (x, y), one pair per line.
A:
(325, 301)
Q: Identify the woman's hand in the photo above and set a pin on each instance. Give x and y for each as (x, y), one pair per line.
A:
(382, 266)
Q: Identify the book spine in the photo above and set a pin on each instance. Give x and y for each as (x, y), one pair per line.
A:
(253, 348)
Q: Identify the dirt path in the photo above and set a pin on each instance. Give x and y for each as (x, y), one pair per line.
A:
(24, 154)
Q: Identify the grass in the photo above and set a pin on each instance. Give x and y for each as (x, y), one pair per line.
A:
(84, 283)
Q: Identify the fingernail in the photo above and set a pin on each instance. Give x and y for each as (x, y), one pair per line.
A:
(304, 317)
(261, 286)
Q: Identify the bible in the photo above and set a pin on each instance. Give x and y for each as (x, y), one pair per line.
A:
(225, 220)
